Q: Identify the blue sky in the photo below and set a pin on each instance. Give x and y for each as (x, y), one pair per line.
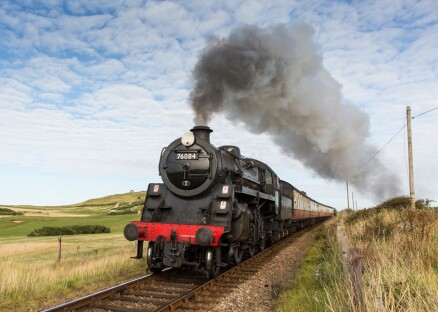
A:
(90, 91)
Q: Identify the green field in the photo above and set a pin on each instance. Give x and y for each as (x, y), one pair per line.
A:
(90, 212)
(32, 276)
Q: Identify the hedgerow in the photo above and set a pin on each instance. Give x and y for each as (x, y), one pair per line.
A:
(120, 212)
(70, 230)
(10, 212)
(397, 203)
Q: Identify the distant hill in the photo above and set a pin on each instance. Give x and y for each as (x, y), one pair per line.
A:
(116, 199)
(106, 201)
(113, 211)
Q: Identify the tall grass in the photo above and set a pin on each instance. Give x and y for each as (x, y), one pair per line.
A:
(318, 286)
(36, 279)
(400, 249)
(400, 263)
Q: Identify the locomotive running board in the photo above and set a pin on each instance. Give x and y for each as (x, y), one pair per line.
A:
(248, 191)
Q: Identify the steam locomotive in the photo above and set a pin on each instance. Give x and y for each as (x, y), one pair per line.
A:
(216, 207)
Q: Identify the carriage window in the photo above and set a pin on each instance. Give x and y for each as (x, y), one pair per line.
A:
(268, 177)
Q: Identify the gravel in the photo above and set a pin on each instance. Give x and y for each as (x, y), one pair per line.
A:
(259, 291)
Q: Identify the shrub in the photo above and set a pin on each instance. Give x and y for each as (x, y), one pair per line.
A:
(121, 212)
(10, 212)
(97, 205)
(125, 206)
(70, 230)
(394, 204)
(379, 228)
(419, 222)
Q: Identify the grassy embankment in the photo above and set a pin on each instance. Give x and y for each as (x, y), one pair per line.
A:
(400, 258)
(318, 279)
(30, 275)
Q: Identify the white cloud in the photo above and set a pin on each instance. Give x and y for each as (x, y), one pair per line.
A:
(14, 94)
(100, 87)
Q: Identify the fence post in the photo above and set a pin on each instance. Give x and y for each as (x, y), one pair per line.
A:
(59, 248)
(352, 263)
(355, 258)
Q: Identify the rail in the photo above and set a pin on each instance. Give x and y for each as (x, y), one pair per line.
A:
(174, 289)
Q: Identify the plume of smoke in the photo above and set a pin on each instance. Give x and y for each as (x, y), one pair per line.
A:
(273, 80)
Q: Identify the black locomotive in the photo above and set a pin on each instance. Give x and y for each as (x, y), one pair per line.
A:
(216, 206)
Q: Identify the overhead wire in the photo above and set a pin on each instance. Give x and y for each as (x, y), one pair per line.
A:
(375, 154)
(425, 112)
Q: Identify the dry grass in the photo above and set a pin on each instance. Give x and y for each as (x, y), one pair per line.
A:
(318, 285)
(400, 259)
(400, 264)
(32, 279)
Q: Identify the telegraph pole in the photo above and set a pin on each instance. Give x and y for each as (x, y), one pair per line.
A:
(352, 199)
(411, 159)
(348, 196)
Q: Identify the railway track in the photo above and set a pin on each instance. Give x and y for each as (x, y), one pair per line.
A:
(182, 290)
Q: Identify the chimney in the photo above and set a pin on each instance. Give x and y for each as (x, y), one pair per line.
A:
(202, 132)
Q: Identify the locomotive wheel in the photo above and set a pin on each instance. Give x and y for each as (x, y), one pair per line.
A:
(151, 261)
(238, 255)
(251, 251)
(262, 244)
(210, 263)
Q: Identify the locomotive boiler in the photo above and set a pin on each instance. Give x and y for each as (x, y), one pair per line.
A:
(216, 207)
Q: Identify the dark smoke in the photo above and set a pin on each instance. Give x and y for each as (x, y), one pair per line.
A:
(273, 80)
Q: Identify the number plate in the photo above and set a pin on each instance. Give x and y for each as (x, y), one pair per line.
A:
(186, 156)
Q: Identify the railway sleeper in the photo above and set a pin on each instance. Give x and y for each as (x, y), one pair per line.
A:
(153, 295)
(153, 301)
(157, 289)
(108, 307)
(177, 286)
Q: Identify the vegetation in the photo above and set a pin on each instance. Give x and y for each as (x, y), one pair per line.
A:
(70, 230)
(121, 212)
(400, 262)
(94, 211)
(9, 212)
(319, 278)
(31, 277)
(126, 208)
(400, 203)
(400, 248)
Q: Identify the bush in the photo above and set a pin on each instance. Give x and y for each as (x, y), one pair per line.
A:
(379, 228)
(125, 206)
(9, 212)
(121, 212)
(394, 204)
(419, 222)
(97, 205)
(70, 230)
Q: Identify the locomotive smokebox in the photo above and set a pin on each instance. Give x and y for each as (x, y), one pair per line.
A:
(202, 132)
